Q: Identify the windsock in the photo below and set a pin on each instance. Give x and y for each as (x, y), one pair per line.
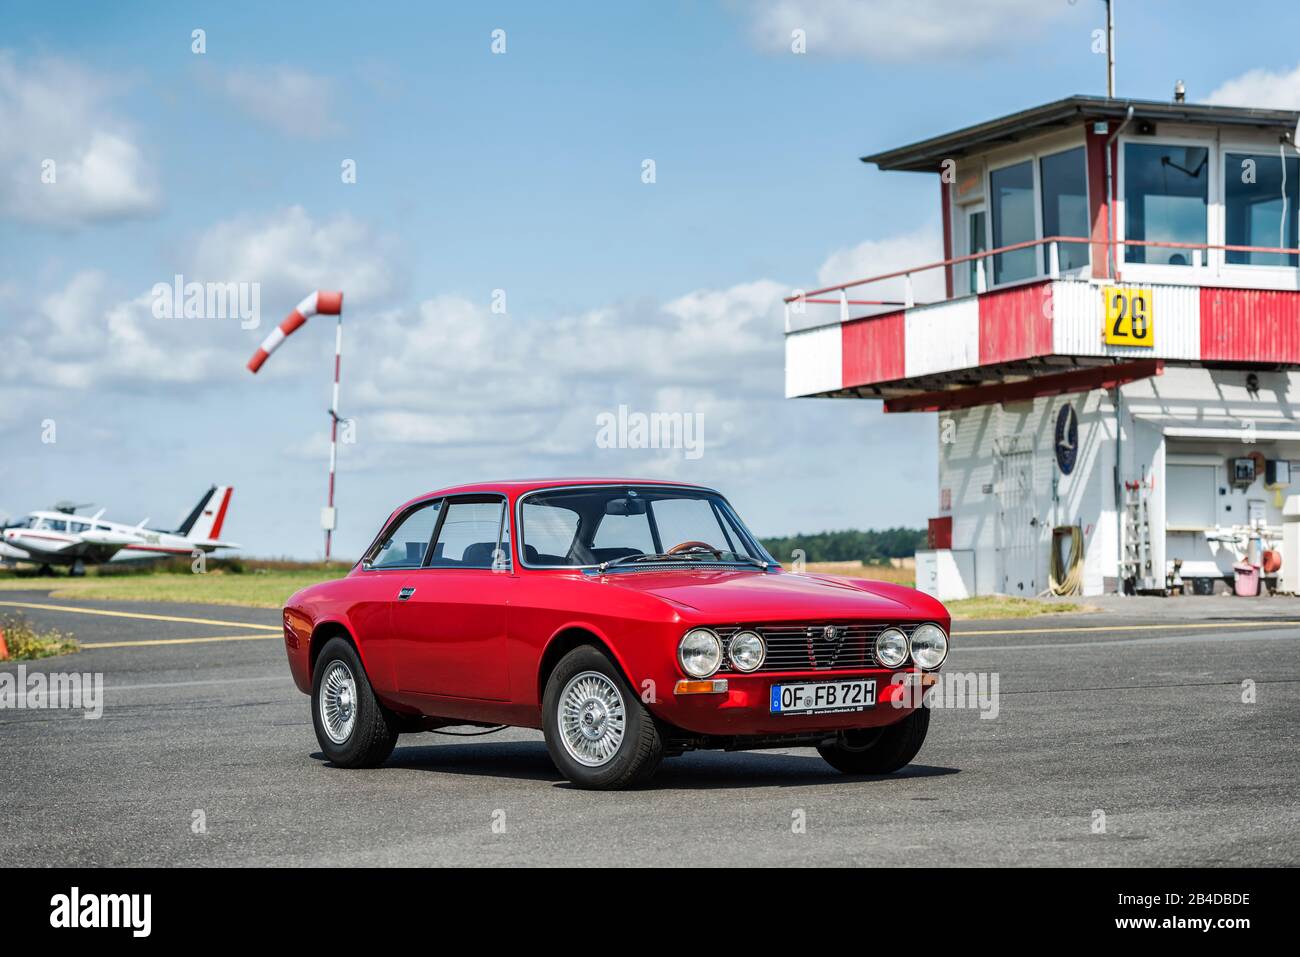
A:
(318, 303)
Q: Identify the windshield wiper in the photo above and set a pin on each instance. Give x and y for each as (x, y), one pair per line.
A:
(683, 556)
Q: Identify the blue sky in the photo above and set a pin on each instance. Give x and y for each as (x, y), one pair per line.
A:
(478, 172)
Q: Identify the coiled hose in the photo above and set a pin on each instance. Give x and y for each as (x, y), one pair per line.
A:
(1067, 581)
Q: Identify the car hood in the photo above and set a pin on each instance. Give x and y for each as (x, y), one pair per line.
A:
(752, 596)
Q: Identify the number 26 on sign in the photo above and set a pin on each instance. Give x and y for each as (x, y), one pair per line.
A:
(1129, 319)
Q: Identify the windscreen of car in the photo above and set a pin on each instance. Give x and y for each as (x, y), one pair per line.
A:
(593, 525)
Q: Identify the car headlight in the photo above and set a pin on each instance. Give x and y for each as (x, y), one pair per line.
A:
(746, 650)
(929, 646)
(891, 648)
(700, 652)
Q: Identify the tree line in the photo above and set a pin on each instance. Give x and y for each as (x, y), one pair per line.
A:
(871, 546)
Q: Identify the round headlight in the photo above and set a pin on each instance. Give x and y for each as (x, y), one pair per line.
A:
(700, 652)
(929, 646)
(891, 648)
(746, 651)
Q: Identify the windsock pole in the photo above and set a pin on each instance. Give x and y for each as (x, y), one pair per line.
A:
(319, 303)
(334, 431)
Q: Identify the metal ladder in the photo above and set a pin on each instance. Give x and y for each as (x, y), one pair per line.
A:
(1137, 573)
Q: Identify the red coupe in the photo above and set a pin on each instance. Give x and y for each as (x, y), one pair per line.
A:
(629, 620)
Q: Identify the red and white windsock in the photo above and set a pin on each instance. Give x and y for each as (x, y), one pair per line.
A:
(317, 304)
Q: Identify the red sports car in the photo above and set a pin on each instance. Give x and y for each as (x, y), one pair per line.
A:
(629, 620)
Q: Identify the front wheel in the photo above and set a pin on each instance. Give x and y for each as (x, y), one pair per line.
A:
(878, 751)
(598, 732)
(353, 728)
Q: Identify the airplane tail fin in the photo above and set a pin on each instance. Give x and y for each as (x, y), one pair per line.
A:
(205, 521)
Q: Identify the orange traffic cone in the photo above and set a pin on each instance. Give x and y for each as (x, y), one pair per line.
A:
(4, 648)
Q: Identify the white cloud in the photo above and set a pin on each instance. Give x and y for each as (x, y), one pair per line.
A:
(1261, 88)
(451, 373)
(55, 112)
(86, 335)
(284, 98)
(899, 30)
(290, 253)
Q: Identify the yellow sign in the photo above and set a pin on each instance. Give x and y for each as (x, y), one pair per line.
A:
(1129, 318)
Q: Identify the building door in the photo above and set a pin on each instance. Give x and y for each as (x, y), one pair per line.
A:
(1017, 517)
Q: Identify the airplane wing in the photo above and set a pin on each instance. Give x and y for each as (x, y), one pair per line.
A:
(211, 545)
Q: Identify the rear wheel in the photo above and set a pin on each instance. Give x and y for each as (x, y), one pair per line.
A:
(598, 732)
(878, 751)
(354, 730)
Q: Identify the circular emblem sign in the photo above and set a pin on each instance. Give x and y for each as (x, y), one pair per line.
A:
(1067, 438)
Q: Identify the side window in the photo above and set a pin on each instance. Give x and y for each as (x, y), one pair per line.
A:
(406, 545)
(1012, 200)
(1166, 199)
(549, 531)
(469, 534)
(1258, 191)
(1064, 179)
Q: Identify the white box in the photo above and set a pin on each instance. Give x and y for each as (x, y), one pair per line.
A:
(329, 518)
(946, 574)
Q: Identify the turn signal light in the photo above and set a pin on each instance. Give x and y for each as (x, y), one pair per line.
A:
(716, 686)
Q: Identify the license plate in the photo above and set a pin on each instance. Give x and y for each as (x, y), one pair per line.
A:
(823, 697)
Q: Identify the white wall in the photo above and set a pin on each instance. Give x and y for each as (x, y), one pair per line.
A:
(970, 444)
(971, 441)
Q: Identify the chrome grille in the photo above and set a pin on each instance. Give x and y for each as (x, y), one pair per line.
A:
(808, 646)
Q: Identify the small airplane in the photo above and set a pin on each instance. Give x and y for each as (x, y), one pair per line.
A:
(62, 537)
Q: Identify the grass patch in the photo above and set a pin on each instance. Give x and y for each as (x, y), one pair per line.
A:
(25, 643)
(879, 572)
(1005, 606)
(256, 585)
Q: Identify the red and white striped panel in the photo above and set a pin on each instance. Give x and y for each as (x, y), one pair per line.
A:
(1062, 318)
(318, 303)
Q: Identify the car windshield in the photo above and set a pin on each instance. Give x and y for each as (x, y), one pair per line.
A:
(605, 525)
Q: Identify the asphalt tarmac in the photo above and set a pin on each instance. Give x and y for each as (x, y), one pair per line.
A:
(1148, 734)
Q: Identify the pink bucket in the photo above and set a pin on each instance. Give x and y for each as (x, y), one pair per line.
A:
(1245, 580)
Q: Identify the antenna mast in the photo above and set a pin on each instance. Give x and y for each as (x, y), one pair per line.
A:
(1110, 49)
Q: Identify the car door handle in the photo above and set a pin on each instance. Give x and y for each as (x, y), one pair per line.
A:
(406, 593)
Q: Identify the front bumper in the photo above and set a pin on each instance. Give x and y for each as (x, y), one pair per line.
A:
(744, 708)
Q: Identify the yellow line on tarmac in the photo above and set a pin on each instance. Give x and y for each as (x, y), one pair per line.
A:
(1187, 626)
(173, 641)
(140, 615)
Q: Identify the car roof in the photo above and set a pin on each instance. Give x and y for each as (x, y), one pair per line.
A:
(515, 487)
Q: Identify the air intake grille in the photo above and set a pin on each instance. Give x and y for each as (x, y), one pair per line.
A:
(816, 646)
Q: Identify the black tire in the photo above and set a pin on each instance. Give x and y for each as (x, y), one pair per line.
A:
(373, 733)
(893, 747)
(638, 753)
